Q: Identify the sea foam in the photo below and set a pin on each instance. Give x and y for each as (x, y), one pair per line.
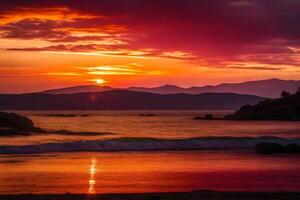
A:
(148, 144)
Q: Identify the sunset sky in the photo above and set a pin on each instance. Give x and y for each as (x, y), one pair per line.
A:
(50, 44)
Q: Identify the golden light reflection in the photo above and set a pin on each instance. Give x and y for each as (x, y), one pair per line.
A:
(113, 70)
(92, 181)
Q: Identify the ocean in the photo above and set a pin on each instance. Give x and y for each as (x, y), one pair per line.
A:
(123, 152)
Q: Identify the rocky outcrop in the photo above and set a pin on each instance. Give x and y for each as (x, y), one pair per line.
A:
(292, 148)
(272, 148)
(147, 115)
(285, 108)
(269, 148)
(66, 115)
(207, 117)
(14, 124)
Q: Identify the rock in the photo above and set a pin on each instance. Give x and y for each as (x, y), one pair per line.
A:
(12, 132)
(286, 108)
(15, 121)
(67, 115)
(292, 148)
(207, 117)
(269, 148)
(147, 115)
(14, 124)
(62, 115)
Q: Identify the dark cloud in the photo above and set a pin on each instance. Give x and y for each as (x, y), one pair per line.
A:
(57, 31)
(31, 29)
(209, 28)
(61, 47)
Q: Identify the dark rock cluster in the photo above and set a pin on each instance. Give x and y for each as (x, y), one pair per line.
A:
(285, 108)
(272, 148)
(13, 124)
(207, 117)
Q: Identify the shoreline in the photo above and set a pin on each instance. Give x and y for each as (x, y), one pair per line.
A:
(193, 195)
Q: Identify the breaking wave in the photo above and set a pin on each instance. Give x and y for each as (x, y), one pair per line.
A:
(148, 144)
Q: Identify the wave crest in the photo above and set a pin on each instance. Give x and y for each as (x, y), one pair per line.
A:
(148, 144)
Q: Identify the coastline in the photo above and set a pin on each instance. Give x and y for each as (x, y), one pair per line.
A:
(199, 194)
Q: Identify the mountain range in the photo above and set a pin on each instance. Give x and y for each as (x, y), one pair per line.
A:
(225, 96)
(270, 88)
(125, 100)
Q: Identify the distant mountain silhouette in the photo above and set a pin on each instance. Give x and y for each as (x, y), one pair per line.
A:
(271, 88)
(122, 99)
(79, 89)
(164, 89)
(266, 88)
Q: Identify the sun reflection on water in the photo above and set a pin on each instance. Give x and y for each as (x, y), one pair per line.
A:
(92, 181)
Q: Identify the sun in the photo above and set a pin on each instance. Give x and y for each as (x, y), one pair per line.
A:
(100, 81)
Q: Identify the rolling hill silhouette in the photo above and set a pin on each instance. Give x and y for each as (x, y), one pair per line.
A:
(270, 88)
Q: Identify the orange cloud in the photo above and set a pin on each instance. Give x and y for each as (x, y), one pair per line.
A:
(55, 13)
(119, 70)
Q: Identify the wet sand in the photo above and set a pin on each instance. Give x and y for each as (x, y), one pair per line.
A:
(147, 172)
(195, 195)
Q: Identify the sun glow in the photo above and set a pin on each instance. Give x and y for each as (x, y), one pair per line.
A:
(99, 81)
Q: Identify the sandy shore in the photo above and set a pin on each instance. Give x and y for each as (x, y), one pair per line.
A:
(195, 195)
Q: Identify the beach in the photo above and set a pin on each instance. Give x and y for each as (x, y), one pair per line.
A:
(195, 195)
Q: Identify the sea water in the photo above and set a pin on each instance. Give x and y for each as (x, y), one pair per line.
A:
(134, 153)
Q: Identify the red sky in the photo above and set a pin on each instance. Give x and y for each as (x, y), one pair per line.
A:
(48, 44)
